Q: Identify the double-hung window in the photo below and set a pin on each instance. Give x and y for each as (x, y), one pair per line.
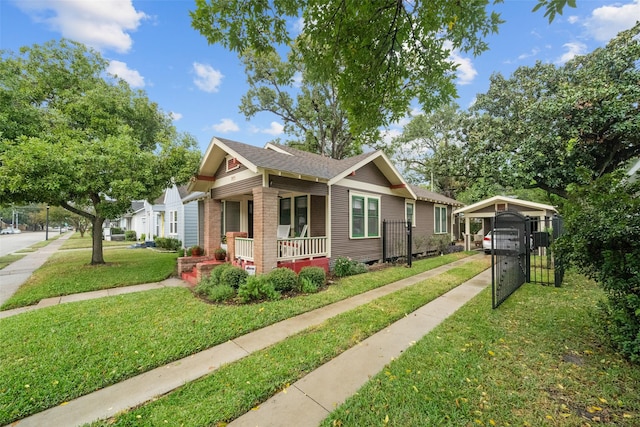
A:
(173, 222)
(440, 216)
(364, 215)
(410, 212)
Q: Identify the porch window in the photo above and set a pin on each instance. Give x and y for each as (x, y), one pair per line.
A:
(173, 222)
(440, 219)
(285, 212)
(301, 214)
(409, 212)
(364, 212)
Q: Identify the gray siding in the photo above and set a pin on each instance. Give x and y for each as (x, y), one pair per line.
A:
(191, 224)
(236, 188)
(370, 173)
(298, 185)
(365, 250)
(318, 216)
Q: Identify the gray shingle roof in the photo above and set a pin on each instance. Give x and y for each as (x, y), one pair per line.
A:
(296, 161)
(424, 194)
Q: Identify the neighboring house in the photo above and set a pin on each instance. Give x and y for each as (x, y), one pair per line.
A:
(268, 197)
(485, 210)
(174, 214)
(181, 215)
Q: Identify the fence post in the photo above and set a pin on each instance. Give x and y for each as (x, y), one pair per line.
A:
(409, 244)
(384, 240)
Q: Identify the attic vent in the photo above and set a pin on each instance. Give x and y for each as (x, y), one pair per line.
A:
(501, 207)
(232, 163)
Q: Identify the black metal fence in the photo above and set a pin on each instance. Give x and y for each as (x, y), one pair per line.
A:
(397, 241)
(522, 252)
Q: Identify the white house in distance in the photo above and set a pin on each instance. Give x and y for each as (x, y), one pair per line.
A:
(174, 214)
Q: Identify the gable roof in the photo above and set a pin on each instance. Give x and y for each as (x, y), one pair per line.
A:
(504, 199)
(281, 158)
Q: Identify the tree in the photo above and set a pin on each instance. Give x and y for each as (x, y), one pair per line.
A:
(378, 56)
(311, 112)
(73, 138)
(430, 149)
(550, 127)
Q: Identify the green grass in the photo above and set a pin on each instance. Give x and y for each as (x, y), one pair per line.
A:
(235, 388)
(538, 360)
(66, 351)
(70, 272)
(8, 259)
(86, 242)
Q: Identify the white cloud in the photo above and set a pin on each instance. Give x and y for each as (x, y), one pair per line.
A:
(275, 129)
(297, 79)
(607, 21)
(175, 116)
(207, 78)
(120, 69)
(573, 50)
(533, 52)
(573, 19)
(226, 125)
(465, 71)
(103, 24)
(298, 26)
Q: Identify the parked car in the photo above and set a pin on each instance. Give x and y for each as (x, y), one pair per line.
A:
(507, 239)
(10, 230)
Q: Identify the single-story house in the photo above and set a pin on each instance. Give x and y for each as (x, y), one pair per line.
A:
(485, 211)
(281, 205)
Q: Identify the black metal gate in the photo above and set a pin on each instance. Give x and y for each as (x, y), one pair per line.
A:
(521, 252)
(397, 241)
(509, 253)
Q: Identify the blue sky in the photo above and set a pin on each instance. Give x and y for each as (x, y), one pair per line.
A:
(151, 44)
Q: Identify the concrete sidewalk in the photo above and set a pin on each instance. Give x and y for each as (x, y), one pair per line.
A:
(330, 384)
(16, 273)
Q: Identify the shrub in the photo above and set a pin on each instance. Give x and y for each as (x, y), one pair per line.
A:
(316, 275)
(233, 276)
(181, 252)
(307, 285)
(440, 243)
(452, 249)
(216, 273)
(283, 279)
(130, 236)
(220, 293)
(168, 243)
(143, 237)
(347, 267)
(116, 230)
(203, 286)
(257, 288)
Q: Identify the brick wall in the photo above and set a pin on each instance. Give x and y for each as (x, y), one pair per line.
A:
(265, 228)
(212, 218)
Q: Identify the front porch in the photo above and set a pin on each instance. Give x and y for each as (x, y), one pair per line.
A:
(269, 227)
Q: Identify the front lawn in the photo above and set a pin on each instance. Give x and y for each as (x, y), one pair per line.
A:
(68, 273)
(86, 242)
(55, 354)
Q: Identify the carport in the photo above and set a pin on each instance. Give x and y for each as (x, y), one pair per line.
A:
(485, 210)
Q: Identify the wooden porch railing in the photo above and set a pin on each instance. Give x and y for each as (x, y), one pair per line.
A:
(244, 248)
(288, 249)
(301, 247)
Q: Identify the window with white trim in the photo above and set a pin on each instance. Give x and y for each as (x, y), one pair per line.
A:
(440, 216)
(173, 222)
(410, 212)
(364, 216)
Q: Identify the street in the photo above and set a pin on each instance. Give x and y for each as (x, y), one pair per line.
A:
(13, 242)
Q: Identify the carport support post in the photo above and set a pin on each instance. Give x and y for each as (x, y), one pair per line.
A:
(46, 232)
(467, 233)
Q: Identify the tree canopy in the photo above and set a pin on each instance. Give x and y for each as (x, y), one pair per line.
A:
(379, 56)
(552, 127)
(74, 137)
(311, 112)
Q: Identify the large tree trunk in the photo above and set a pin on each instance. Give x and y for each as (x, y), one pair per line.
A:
(96, 256)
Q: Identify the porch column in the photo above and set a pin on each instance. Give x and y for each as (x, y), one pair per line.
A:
(265, 228)
(212, 218)
(467, 234)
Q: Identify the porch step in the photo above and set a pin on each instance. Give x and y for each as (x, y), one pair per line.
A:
(190, 277)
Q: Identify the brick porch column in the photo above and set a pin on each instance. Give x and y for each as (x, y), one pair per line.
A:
(231, 243)
(212, 218)
(265, 228)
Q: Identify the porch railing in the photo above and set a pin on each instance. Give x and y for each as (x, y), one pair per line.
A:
(287, 249)
(244, 248)
(301, 247)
